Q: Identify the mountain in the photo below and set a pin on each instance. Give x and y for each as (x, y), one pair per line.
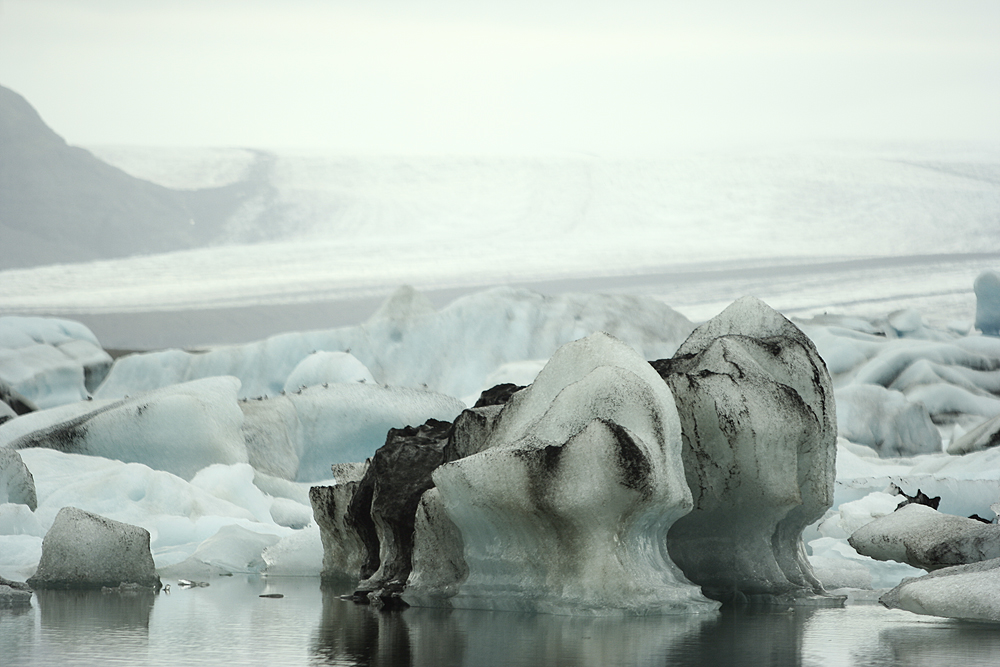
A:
(59, 203)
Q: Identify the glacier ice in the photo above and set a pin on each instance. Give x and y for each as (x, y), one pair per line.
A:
(16, 483)
(50, 361)
(451, 351)
(987, 288)
(757, 412)
(969, 592)
(568, 505)
(299, 435)
(326, 367)
(923, 537)
(85, 550)
(886, 421)
(179, 429)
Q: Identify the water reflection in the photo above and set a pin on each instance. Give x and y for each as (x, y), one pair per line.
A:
(79, 611)
(756, 636)
(933, 643)
(351, 634)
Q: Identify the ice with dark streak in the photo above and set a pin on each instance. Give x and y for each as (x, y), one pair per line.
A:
(85, 550)
(759, 444)
(567, 508)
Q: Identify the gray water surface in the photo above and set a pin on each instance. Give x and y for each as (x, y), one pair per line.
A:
(228, 623)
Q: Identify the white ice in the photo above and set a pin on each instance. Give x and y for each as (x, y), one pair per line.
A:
(50, 361)
(502, 335)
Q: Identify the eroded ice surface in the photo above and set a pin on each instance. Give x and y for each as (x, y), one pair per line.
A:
(947, 375)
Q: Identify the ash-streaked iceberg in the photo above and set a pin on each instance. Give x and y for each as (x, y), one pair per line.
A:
(567, 507)
(757, 411)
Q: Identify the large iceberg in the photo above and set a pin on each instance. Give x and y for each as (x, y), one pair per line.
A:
(759, 430)
(568, 505)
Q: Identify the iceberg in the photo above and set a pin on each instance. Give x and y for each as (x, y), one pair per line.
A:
(452, 351)
(567, 506)
(85, 550)
(50, 361)
(756, 409)
(969, 592)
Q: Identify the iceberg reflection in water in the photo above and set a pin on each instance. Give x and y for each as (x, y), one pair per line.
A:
(228, 623)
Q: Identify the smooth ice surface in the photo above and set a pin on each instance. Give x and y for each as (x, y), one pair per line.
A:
(970, 592)
(568, 507)
(50, 361)
(180, 429)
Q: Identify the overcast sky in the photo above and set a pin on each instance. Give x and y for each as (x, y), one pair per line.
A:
(521, 76)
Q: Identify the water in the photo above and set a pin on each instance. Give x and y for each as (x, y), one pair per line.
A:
(228, 623)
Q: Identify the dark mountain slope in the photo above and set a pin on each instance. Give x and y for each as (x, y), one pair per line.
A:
(59, 203)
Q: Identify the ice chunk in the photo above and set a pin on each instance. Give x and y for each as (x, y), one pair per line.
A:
(384, 505)
(984, 436)
(757, 411)
(567, 508)
(233, 549)
(50, 361)
(970, 592)
(327, 367)
(300, 435)
(886, 421)
(85, 550)
(16, 483)
(179, 429)
(923, 537)
(298, 554)
(987, 288)
(344, 552)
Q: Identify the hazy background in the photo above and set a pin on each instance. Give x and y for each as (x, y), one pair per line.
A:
(291, 163)
(613, 77)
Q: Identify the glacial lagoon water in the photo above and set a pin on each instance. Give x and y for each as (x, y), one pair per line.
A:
(228, 623)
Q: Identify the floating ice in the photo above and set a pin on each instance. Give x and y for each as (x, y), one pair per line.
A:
(757, 411)
(923, 537)
(180, 429)
(327, 367)
(179, 515)
(568, 506)
(886, 421)
(85, 550)
(298, 436)
(452, 351)
(987, 287)
(970, 592)
(50, 361)
(16, 483)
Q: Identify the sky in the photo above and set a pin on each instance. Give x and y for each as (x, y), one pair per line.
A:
(528, 77)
